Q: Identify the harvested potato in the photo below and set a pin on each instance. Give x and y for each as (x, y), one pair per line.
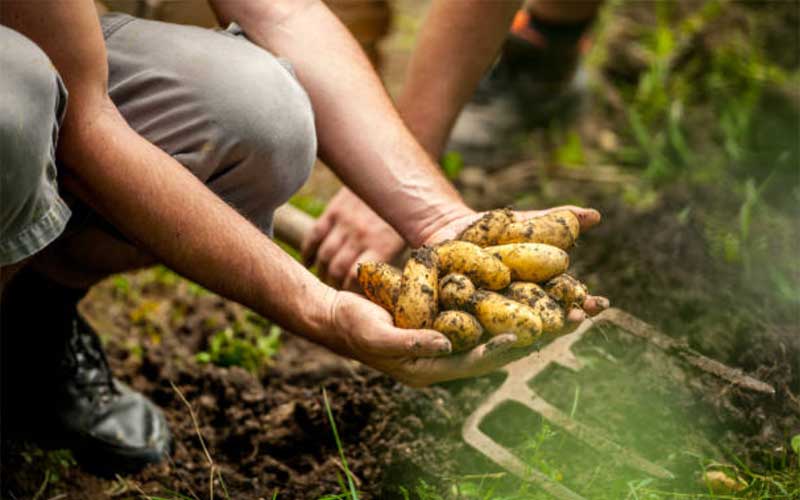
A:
(546, 307)
(380, 282)
(500, 315)
(418, 300)
(460, 327)
(488, 229)
(485, 270)
(455, 291)
(559, 228)
(535, 262)
(568, 291)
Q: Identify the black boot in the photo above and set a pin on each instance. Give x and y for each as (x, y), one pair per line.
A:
(56, 380)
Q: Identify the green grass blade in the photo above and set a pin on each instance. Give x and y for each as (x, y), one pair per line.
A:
(351, 486)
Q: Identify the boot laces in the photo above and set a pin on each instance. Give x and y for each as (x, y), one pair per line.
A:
(87, 364)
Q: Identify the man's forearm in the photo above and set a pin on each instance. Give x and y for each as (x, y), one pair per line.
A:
(360, 134)
(456, 46)
(157, 203)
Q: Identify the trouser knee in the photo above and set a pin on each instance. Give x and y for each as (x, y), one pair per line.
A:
(32, 102)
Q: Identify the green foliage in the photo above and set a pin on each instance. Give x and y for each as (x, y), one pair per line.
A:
(122, 286)
(309, 204)
(243, 344)
(452, 164)
(570, 152)
(55, 463)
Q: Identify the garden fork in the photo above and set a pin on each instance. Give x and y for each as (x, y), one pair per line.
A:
(521, 372)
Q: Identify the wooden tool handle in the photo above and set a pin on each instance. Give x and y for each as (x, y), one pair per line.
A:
(292, 225)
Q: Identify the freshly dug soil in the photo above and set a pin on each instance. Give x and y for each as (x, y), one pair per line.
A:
(266, 433)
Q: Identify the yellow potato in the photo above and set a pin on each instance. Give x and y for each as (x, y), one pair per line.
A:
(455, 291)
(460, 327)
(568, 291)
(488, 229)
(560, 228)
(482, 268)
(545, 306)
(500, 315)
(380, 282)
(418, 301)
(535, 262)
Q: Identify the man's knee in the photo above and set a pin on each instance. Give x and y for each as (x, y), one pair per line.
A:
(29, 92)
(31, 102)
(269, 115)
(225, 108)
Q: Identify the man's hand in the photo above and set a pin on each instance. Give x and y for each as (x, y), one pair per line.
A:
(349, 232)
(414, 357)
(586, 216)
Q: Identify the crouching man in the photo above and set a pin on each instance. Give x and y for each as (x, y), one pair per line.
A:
(175, 144)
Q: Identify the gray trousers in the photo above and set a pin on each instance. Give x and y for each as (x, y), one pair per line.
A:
(229, 111)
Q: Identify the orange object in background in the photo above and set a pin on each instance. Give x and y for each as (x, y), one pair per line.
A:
(367, 20)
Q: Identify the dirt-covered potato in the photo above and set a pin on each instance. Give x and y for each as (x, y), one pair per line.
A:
(455, 291)
(460, 327)
(380, 282)
(418, 301)
(568, 291)
(559, 228)
(535, 262)
(485, 270)
(500, 315)
(488, 229)
(546, 307)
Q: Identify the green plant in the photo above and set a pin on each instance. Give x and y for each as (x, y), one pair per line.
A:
(351, 488)
(452, 164)
(56, 463)
(243, 345)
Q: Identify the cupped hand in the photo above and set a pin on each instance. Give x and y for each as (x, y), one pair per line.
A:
(588, 218)
(414, 357)
(349, 232)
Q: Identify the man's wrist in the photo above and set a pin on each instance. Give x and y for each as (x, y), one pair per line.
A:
(441, 218)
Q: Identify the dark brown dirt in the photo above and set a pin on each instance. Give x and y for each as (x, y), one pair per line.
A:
(265, 434)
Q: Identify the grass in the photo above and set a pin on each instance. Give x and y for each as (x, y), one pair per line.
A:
(351, 491)
(214, 471)
(55, 463)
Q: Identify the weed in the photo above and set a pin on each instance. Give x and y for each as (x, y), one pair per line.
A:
(351, 488)
(214, 472)
(243, 345)
(55, 463)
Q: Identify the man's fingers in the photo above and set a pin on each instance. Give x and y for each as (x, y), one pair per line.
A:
(318, 233)
(575, 316)
(481, 360)
(342, 262)
(587, 217)
(408, 343)
(594, 304)
(327, 250)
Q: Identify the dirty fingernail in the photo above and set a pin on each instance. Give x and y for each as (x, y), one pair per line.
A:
(500, 342)
(443, 346)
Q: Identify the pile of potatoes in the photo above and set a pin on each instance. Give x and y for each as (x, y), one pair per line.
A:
(499, 276)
